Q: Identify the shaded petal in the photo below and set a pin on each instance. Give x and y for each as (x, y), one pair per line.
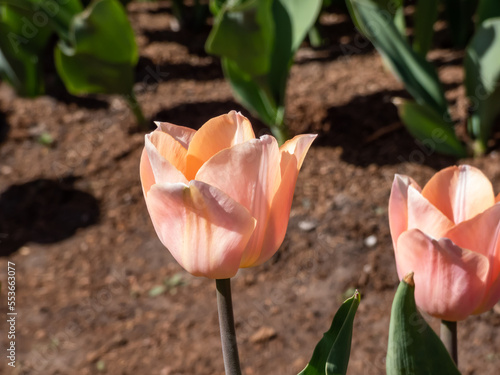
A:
(398, 205)
(205, 230)
(497, 199)
(215, 135)
(249, 173)
(181, 134)
(449, 280)
(460, 192)
(424, 216)
(482, 235)
(163, 169)
(146, 173)
(293, 153)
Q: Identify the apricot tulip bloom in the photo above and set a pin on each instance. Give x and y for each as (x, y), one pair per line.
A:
(219, 198)
(448, 233)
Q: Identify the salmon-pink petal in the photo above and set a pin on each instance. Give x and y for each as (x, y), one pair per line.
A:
(460, 192)
(146, 173)
(449, 280)
(482, 235)
(169, 148)
(205, 230)
(426, 217)
(293, 153)
(398, 205)
(181, 134)
(497, 199)
(215, 135)
(163, 170)
(249, 173)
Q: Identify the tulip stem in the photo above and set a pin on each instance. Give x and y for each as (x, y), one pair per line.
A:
(227, 331)
(449, 338)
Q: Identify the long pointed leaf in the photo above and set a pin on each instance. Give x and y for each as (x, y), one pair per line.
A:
(482, 78)
(418, 75)
(426, 125)
(414, 348)
(425, 16)
(331, 355)
(459, 14)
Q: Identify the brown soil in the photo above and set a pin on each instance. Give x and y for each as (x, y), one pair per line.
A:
(88, 262)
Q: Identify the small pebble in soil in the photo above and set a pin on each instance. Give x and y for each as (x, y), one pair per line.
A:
(263, 334)
(307, 225)
(370, 241)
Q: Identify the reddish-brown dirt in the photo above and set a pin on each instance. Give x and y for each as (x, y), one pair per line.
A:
(90, 269)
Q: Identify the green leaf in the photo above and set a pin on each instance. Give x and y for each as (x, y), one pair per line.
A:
(426, 14)
(482, 78)
(418, 75)
(331, 355)
(244, 32)
(101, 53)
(430, 128)
(459, 14)
(414, 348)
(249, 93)
(487, 9)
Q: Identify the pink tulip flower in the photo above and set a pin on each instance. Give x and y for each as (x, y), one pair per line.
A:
(219, 198)
(448, 234)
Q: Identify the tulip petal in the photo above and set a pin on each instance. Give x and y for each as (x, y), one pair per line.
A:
(482, 235)
(460, 192)
(293, 153)
(497, 199)
(424, 216)
(181, 134)
(449, 280)
(249, 173)
(205, 230)
(146, 173)
(398, 205)
(217, 134)
(162, 163)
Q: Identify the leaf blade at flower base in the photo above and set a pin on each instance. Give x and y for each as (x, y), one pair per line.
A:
(414, 348)
(331, 354)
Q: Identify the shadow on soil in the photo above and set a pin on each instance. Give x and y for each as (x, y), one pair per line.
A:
(356, 128)
(43, 211)
(4, 127)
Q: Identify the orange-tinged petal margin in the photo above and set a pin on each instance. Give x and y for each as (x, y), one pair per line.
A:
(163, 166)
(398, 205)
(215, 135)
(181, 134)
(449, 280)
(424, 216)
(205, 230)
(146, 173)
(460, 192)
(249, 173)
(293, 153)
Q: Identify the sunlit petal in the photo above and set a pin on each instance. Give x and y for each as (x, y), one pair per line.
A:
(449, 280)
(460, 192)
(205, 230)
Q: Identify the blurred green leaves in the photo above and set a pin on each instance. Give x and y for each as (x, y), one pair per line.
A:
(407, 61)
(96, 52)
(331, 355)
(256, 40)
(100, 53)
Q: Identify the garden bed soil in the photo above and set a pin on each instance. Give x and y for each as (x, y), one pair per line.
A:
(98, 293)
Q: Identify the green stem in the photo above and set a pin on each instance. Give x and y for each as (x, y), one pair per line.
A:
(227, 331)
(136, 109)
(449, 338)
